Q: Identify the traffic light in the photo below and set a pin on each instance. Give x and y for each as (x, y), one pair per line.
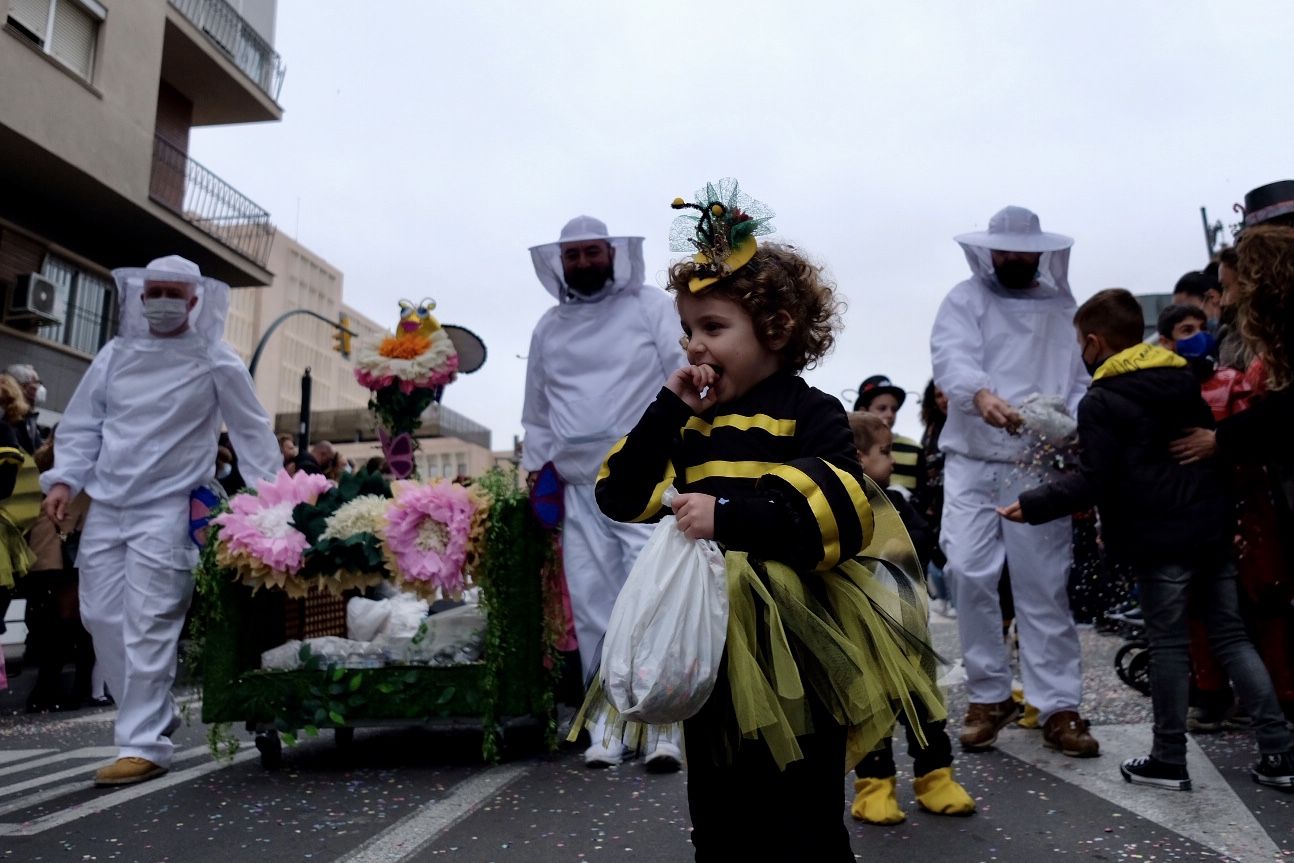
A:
(341, 336)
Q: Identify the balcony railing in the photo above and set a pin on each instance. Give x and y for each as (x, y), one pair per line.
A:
(198, 196)
(233, 35)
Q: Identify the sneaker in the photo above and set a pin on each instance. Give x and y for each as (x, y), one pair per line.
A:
(1151, 771)
(1067, 731)
(127, 771)
(665, 758)
(598, 756)
(983, 722)
(1275, 771)
(939, 607)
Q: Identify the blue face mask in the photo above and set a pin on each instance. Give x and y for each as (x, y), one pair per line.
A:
(1202, 344)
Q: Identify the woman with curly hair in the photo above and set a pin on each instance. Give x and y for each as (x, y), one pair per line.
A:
(1260, 434)
(822, 644)
(1256, 441)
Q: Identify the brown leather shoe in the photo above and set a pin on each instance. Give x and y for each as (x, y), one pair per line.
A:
(127, 771)
(984, 721)
(1067, 731)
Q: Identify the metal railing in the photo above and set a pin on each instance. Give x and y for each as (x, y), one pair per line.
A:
(201, 198)
(238, 39)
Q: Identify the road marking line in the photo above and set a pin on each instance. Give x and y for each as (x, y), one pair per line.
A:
(414, 832)
(87, 752)
(7, 755)
(124, 795)
(79, 770)
(1212, 815)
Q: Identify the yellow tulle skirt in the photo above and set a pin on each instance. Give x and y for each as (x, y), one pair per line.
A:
(856, 637)
(16, 556)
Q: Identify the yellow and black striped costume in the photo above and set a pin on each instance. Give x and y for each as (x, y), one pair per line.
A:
(824, 589)
(909, 465)
(20, 499)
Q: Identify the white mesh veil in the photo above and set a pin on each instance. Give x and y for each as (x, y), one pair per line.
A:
(628, 267)
(207, 318)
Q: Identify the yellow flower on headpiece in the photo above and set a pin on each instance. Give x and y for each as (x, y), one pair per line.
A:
(722, 235)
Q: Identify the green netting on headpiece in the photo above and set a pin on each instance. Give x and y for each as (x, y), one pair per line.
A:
(724, 216)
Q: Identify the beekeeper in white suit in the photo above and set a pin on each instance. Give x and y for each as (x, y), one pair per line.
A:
(138, 436)
(1003, 335)
(596, 361)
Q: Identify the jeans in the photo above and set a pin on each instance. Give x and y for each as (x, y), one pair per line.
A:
(1168, 591)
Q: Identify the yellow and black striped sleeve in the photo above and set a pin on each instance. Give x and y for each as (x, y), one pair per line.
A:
(11, 458)
(811, 511)
(638, 468)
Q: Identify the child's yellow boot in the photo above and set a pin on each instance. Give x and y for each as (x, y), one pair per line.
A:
(875, 801)
(1029, 718)
(939, 793)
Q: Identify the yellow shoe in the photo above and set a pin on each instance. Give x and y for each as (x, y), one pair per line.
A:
(875, 801)
(939, 793)
(1029, 719)
(127, 771)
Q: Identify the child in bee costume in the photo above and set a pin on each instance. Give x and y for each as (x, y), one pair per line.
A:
(595, 361)
(826, 634)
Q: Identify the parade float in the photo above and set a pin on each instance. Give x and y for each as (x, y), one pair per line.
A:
(378, 599)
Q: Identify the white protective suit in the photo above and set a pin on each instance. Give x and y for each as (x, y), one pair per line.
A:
(1015, 344)
(138, 436)
(594, 365)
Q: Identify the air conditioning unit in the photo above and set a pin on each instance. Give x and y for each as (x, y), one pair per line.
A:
(33, 298)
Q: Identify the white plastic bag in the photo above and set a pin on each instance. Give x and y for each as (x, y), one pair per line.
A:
(1048, 417)
(665, 638)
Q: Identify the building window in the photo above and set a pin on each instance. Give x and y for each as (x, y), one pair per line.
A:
(84, 301)
(64, 29)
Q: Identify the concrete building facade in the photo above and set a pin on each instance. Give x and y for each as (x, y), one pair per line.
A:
(95, 111)
(302, 280)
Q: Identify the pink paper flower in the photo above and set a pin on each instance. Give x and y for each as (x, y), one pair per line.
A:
(260, 525)
(427, 535)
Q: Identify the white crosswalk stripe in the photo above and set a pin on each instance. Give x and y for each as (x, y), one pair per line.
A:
(113, 797)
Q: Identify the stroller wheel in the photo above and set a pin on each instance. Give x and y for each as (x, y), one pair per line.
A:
(1132, 663)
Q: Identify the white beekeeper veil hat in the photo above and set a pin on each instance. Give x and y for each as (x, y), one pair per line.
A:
(1016, 229)
(207, 318)
(627, 262)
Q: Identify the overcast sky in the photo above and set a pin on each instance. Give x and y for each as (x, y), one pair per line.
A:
(426, 145)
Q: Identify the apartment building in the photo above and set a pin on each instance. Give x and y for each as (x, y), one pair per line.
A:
(303, 280)
(97, 103)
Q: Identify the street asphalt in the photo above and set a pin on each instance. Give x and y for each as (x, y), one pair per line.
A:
(422, 794)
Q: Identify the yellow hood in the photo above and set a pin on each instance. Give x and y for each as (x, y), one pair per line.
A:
(1142, 356)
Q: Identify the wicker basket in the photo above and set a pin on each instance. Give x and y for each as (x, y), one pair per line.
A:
(319, 614)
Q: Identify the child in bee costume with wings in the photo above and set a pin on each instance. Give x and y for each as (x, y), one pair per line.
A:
(826, 634)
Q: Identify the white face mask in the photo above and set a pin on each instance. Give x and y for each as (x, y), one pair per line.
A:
(39, 398)
(224, 471)
(166, 314)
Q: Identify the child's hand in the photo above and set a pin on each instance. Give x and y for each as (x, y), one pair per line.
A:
(688, 382)
(1012, 512)
(695, 515)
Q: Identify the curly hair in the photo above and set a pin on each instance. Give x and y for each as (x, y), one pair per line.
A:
(778, 279)
(12, 401)
(1266, 308)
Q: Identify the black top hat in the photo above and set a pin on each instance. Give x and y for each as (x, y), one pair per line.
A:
(874, 386)
(1267, 202)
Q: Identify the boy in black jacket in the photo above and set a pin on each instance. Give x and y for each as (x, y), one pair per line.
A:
(1172, 522)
